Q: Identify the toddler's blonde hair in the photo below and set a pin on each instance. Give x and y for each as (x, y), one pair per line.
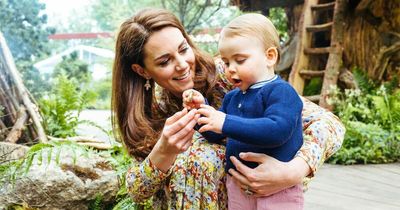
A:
(254, 25)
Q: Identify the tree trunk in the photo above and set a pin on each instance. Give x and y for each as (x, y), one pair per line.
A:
(372, 38)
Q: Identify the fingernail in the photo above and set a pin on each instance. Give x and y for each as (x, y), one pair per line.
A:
(241, 155)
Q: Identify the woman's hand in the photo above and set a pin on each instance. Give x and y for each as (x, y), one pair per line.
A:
(176, 137)
(270, 176)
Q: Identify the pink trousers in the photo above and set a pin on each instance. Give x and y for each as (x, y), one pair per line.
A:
(290, 199)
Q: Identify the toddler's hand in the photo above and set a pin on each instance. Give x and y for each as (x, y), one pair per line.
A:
(192, 99)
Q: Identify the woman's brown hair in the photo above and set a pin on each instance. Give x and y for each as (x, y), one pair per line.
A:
(135, 114)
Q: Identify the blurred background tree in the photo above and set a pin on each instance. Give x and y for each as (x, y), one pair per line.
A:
(23, 24)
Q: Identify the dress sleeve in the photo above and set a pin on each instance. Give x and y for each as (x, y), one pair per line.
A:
(143, 180)
(323, 135)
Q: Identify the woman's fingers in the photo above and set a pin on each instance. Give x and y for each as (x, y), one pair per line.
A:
(176, 117)
(187, 141)
(253, 157)
(239, 178)
(178, 122)
(243, 169)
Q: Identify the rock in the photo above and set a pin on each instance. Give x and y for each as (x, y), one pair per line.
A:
(10, 151)
(72, 184)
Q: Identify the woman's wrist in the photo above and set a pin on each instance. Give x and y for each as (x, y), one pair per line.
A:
(162, 160)
(298, 169)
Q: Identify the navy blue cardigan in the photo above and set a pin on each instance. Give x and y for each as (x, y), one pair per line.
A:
(264, 119)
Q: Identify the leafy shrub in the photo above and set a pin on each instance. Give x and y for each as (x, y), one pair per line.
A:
(62, 107)
(371, 115)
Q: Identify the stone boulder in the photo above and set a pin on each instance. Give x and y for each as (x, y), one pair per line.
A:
(70, 184)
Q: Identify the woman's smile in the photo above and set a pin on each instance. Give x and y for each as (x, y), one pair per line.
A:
(182, 77)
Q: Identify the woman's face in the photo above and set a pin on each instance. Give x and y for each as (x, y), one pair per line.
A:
(169, 60)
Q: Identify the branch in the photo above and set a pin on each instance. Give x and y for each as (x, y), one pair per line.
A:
(76, 139)
(18, 127)
(200, 13)
(84, 140)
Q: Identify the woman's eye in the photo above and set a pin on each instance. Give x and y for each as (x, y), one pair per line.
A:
(183, 50)
(164, 62)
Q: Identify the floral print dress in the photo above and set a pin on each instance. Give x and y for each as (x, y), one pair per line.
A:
(197, 178)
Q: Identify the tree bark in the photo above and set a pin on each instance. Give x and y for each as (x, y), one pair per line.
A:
(372, 38)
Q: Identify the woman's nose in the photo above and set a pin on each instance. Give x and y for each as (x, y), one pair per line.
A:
(181, 63)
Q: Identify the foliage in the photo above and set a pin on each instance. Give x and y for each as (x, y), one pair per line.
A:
(210, 48)
(24, 27)
(37, 84)
(371, 115)
(72, 67)
(109, 14)
(103, 91)
(193, 13)
(97, 203)
(278, 17)
(62, 107)
(313, 87)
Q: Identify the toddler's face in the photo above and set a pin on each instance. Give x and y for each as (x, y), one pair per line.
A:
(245, 59)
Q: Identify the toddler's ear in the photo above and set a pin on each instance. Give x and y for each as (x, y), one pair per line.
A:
(272, 56)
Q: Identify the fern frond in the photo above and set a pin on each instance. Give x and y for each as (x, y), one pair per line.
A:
(364, 83)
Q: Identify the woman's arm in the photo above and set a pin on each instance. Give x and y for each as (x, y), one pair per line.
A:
(146, 178)
(323, 136)
(270, 176)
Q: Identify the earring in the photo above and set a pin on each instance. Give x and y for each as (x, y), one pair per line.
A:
(147, 86)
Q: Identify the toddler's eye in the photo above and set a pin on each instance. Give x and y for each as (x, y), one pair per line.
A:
(241, 61)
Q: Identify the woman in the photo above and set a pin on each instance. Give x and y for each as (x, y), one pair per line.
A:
(175, 165)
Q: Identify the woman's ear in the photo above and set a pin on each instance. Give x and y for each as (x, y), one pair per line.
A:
(272, 56)
(140, 70)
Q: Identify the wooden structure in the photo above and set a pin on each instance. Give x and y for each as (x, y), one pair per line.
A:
(318, 48)
(19, 116)
(316, 60)
(321, 51)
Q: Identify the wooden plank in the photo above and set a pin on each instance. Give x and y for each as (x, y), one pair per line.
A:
(355, 187)
(323, 7)
(312, 73)
(317, 50)
(320, 27)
